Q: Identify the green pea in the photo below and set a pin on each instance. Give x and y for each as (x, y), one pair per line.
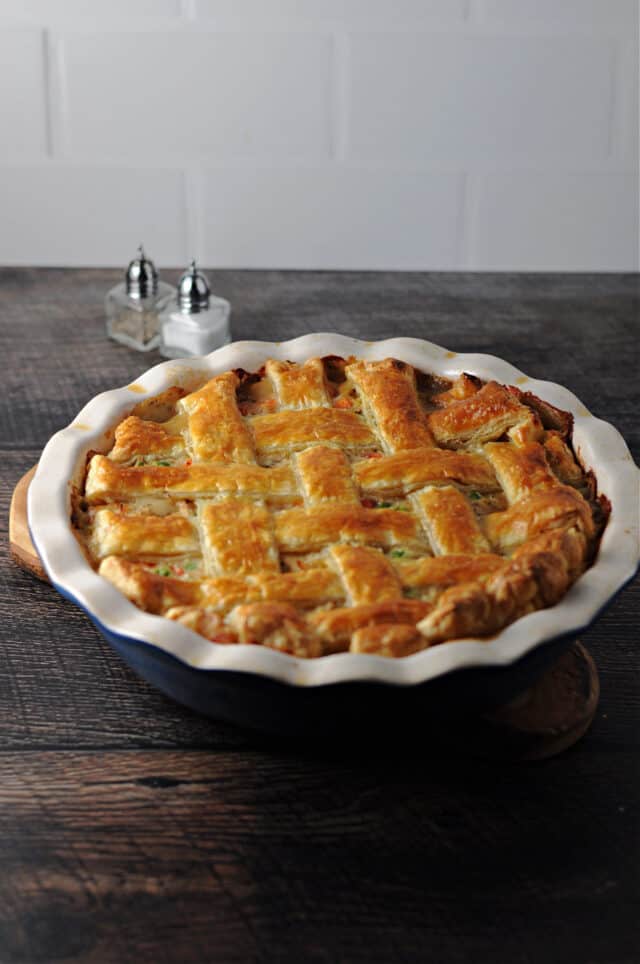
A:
(412, 592)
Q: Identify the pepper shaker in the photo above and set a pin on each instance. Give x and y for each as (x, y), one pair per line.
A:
(197, 321)
(134, 305)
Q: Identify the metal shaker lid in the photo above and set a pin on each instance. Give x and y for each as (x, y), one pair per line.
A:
(193, 291)
(141, 277)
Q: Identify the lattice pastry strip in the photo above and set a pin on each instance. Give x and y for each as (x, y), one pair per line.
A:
(450, 521)
(309, 589)
(387, 391)
(309, 530)
(237, 537)
(520, 469)
(325, 476)
(410, 470)
(143, 535)
(137, 437)
(106, 480)
(299, 386)
(367, 575)
(301, 476)
(216, 430)
(486, 414)
(289, 431)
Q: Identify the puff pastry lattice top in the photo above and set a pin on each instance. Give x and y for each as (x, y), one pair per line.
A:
(341, 505)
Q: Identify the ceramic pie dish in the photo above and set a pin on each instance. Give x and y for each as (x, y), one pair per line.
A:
(259, 686)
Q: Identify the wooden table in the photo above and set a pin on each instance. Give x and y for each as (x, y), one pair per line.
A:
(135, 831)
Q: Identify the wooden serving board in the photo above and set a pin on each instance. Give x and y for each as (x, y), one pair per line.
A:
(21, 546)
(541, 722)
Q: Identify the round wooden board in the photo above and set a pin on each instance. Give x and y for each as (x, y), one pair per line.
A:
(20, 543)
(545, 720)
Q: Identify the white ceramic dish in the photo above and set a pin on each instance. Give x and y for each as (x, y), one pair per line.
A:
(599, 445)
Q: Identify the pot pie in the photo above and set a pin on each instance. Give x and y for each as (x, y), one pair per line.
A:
(341, 505)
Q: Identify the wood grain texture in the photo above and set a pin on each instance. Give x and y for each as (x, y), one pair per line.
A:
(134, 830)
(22, 549)
(187, 856)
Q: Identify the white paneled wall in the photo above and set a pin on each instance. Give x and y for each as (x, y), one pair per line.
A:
(402, 134)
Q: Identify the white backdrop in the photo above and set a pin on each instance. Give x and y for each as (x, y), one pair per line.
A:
(406, 134)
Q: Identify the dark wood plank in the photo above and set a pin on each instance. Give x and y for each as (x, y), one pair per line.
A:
(191, 857)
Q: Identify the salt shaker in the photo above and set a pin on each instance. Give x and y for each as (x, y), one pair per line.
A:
(196, 322)
(133, 307)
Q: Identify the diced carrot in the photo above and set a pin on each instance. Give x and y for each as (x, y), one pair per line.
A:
(343, 402)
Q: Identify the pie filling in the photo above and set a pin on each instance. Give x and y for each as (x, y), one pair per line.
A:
(341, 505)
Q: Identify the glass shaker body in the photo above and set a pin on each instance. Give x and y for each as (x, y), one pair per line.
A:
(134, 321)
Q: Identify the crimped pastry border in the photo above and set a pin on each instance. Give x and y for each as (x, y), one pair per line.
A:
(598, 444)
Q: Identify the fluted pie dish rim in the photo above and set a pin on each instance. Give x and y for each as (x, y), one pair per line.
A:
(599, 445)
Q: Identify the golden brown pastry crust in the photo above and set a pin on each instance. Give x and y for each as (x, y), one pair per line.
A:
(144, 585)
(388, 639)
(387, 390)
(560, 458)
(106, 480)
(276, 625)
(520, 468)
(411, 470)
(440, 572)
(139, 437)
(288, 431)
(142, 534)
(451, 523)
(147, 590)
(299, 386)
(531, 580)
(217, 432)
(325, 475)
(335, 627)
(550, 508)
(341, 505)
(237, 537)
(485, 415)
(307, 530)
(367, 575)
(206, 622)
